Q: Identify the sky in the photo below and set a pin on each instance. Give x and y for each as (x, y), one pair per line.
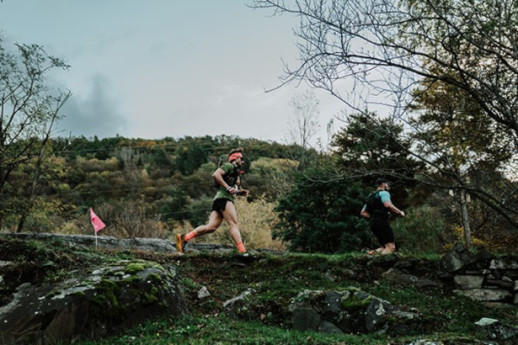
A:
(167, 68)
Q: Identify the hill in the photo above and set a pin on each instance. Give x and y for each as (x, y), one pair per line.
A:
(233, 299)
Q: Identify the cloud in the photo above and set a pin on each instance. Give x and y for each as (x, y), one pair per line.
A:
(95, 113)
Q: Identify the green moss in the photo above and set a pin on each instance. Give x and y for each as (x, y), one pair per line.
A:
(151, 296)
(352, 301)
(107, 296)
(135, 267)
(155, 277)
(131, 280)
(52, 294)
(79, 294)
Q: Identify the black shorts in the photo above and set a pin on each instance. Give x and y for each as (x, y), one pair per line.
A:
(380, 227)
(219, 205)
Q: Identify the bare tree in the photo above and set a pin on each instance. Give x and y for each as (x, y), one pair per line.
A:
(305, 125)
(388, 45)
(375, 54)
(29, 111)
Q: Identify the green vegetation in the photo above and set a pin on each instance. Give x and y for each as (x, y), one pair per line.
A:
(274, 280)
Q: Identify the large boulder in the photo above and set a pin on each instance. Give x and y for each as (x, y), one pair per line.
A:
(348, 311)
(105, 301)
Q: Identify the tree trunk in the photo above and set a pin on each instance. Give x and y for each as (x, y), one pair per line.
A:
(21, 223)
(465, 219)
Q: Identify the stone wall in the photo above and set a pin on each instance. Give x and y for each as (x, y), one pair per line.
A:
(483, 277)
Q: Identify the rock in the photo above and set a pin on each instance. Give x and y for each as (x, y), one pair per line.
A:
(329, 328)
(503, 264)
(457, 258)
(485, 295)
(497, 330)
(107, 301)
(348, 311)
(485, 321)
(376, 315)
(468, 281)
(396, 276)
(425, 342)
(203, 293)
(239, 305)
(330, 276)
(305, 318)
(5, 263)
(152, 244)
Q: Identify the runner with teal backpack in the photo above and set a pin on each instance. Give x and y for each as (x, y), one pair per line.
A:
(377, 209)
(227, 179)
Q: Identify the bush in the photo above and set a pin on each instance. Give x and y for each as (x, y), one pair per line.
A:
(256, 220)
(321, 214)
(420, 232)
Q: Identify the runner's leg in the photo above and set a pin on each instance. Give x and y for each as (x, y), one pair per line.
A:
(230, 215)
(214, 222)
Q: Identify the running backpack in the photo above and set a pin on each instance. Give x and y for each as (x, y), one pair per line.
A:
(373, 203)
(222, 159)
(231, 178)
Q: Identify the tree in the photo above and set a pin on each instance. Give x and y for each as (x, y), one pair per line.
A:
(327, 221)
(305, 125)
(386, 44)
(189, 156)
(375, 54)
(29, 110)
(462, 143)
(369, 147)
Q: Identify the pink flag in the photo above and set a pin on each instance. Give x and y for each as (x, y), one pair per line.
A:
(96, 221)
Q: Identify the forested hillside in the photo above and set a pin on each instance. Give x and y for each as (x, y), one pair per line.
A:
(140, 188)
(305, 199)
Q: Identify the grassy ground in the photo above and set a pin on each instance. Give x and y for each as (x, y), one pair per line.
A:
(274, 280)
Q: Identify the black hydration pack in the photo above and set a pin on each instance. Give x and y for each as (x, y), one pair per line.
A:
(230, 178)
(374, 205)
(233, 176)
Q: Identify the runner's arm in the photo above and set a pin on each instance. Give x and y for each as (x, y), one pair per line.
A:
(364, 212)
(218, 178)
(388, 204)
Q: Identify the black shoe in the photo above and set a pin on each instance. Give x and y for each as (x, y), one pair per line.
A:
(181, 243)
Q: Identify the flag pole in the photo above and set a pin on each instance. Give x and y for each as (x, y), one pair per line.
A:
(97, 223)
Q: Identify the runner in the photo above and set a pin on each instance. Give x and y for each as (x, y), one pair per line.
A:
(228, 181)
(377, 209)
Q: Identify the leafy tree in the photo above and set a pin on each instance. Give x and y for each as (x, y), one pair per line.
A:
(29, 111)
(270, 177)
(320, 214)
(189, 156)
(376, 53)
(369, 147)
(463, 145)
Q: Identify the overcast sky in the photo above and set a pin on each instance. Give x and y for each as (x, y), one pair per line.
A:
(157, 68)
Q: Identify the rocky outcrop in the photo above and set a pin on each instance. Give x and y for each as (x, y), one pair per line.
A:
(151, 244)
(351, 312)
(104, 301)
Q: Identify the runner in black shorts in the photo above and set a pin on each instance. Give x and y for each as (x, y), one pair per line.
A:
(378, 213)
(219, 206)
(227, 179)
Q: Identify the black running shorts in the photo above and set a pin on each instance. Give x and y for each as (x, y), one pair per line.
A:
(219, 205)
(380, 227)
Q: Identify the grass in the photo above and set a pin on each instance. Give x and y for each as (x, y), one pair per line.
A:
(219, 329)
(275, 279)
